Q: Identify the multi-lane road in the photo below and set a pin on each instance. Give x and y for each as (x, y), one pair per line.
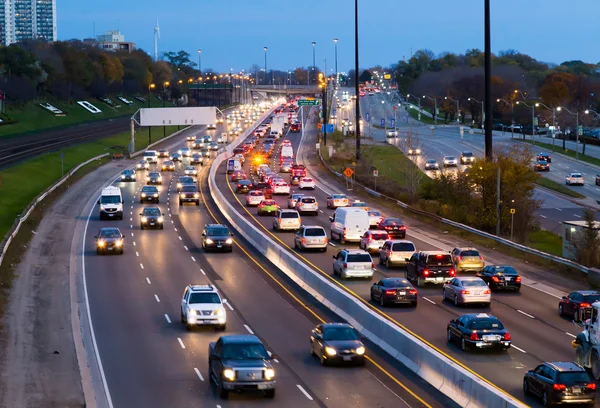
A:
(150, 360)
(538, 333)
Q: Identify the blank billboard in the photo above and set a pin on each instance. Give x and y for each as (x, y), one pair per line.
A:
(185, 116)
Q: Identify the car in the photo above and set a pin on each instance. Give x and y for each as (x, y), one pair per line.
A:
(391, 133)
(298, 170)
(264, 187)
(217, 237)
(359, 204)
(337, 343)
(293, 199)
(254, 198)
(541, 165)
(243, 186)
(176, 157)
(307, 204)
(191, 138)
(450, 161)
(311, 237)
(372, 241)
(163, 153)
(219, 121)
(240, 157)
(197, 159)
(151, 156)
(478, 331)
(142, 165)
(239, 363)
(394, 290)
(189, 194)
(575, 179)
(432, 165)
(205, 152)
(353, 263)
(109, 240)
(561, 382)
(198, 144)
(285, 219)
(151, 217)
(211, 126)
(167, 166)
(214, 146)
(281, 187)
(467, 259)
(149, 193)
(295, 180)
(191, 171)
(154, 177)
(185, 181)
(580, 299)
(222, 138)
(375, 218)
(286, 142)
(337, 200)
(393, 226)
(545, 157)
(306, 183)
(467, 289)
(501, 277)
(414, 151)
(430, 267)
(238, 175)
(268, 206)
(295, 128)
(395, 252)
(467, 158)
(597, 179)
(286, 166)
(128, 175)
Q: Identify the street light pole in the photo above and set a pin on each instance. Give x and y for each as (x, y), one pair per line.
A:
(434, 99)
(335, 41)
(151, 86)
(482, 112)
(266, 76)
(356, 90)
(314, 62)
(165, 84)
(457, 110)
(200, 61)
(512, 121)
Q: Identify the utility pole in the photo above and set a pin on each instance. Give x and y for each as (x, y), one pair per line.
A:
(487, 102)
(498, 186)
(356, 74)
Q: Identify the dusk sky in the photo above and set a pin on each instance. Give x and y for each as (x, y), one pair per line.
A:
(232, 33)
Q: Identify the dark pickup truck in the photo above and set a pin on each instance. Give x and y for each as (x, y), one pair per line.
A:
(430, 267)
(241, 363)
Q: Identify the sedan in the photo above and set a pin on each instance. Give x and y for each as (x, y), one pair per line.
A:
(337, 342)
(243, 186)
(214, 146)
(191, 171)
(394, 290)
(142, 165)
(500, 277)
(450, 161)
(478, 331)
(337, 200)
(191, 138)
(238, 175)
(128, 175)
(163, 153)
(375, 218)
(541, 165)
(293, 199)
(205, 152)
(185, 151)
(176, 157)
(372, 241)
(306, 182)
(579, 300)
(154, 177)
(149, 193)
(286, 166)
(394, 227)
(254, 198)
(281, 187)
(467, 289)
(414, 150)
(167, 166)
(151, 217)
(268, 207)
(545, 157)
(574, 179)
(109, 240)
(432, 165)
(391, 133)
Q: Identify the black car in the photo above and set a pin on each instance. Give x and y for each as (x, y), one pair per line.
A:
(394, 290)
(394, 227)
(337, 342)
(545, 157)
(500, 277)
(580, 299)
(154, 177)
(597, 179)
(560, 383)
(183, 181)
(128, 175)
(217, 237)
(149, 193)
(243, 186)
(197, 159)
(478, 331)
(109, 240)
(541, 165)
(151, 217)
(189, 194)
(176, 157)
(430, 267)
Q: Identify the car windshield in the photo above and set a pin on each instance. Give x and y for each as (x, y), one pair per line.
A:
(289, 214)
(189, 189)
(264, 185)
(244, 182)
(204, 298)
(440, 259)
(392, 221)
(574, 377)
(154, 174)
(190, 168)
(339, 333)
(256, 194)
(308, 200)
(467, 154)
(506, 270)
(110, 199)
(127, 172)
(152, 212)
(357, 204)
(315, 232)
(577, 175)
(374, 214)
(477, 282)
(338, 196)
(149, 189)
(110, 233)
(186, 180)
(486, 324)
(395, 283)
(403, 247)
(213, 232)
(431, 161)
(470, 252)
(245, 352)
(150, 154)
(359, 258)
(449, 158)
(591, 298)
(379, 235)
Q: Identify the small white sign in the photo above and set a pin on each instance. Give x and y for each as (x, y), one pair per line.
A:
(124, 100)
(88, 106)
(51, 109)
(375, 173)
(139, 98)
(107, 101)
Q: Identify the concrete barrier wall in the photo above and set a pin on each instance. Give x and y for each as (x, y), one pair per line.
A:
(447, 375)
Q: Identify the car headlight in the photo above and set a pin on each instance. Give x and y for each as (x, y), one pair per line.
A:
(182, 195)
(269, 374)
(160, 178)
(192, 312)
(143, 194)
(101, 243)
(229, 241)
(330, 351)
(179, 185)
(161, 220)
(147, 178)
(155, 195)
(144, 219)
(122, 176)
(360, 351)
(209, 241)
(219, 312)
(229, 374)
(418, 150)
(196, 195)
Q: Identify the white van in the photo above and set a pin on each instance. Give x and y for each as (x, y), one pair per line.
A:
(151, 156)
(349, 224)
(233, 165)
(111, 203)
(287, 151)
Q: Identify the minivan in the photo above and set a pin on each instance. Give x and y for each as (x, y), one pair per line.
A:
(349, 224)
(395, 252)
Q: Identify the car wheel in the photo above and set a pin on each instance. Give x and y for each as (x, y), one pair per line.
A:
(419, 282)
(414, 304)
(312, 349)
(342, 240)
(334, 271)
(380, 260)
(223, 393)
(518, 290)
(270, 393)
(141, 227)
(463, 345)
(324, 250)
(449, 335)
(98, 251)
(197, 203)
(323, 360)
(525, 386)
(343, 275)
(223, 327)
(141, 201)
(456, 303)
(180, 203)
(381, 301)
(443, 294)
(561, 312)
(162, 227)
(545, 399)
(387, 263)
(188, 326)
(157, 201)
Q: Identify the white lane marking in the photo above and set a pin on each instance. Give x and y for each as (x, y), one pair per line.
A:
(198, 374)
(526, 314)
(180, 238)
(133, 243)
(142, 265)
(520, 349)
(332, 244)
(171, 220)
(167, 317)
(157, 299)
(572, 335)
(130, 219)
(132, 234)
(194, 259)
(306, 394)
(137, 253)
(249, 329)
(130, 212)
(148, 280)
(202, 270)
(321, 211)
(175, 229)
(181, 343)
(227, 304)
(429, 300)
(543, 216)
(578, 216)
(132, 206)
(186, 248)
(132, 203)
(559, 209)
(131, 226)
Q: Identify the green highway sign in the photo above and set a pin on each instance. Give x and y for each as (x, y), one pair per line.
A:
(308, 102)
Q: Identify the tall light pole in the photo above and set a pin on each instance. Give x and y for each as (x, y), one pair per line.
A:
(532, 106)
(512, 113)
(266, 77)
(335, 41)
(200, 61)
(482, 111)
(165, 84)
(487, 98)
(457, 109)
(559, 109)
(419, 101)
(151, 86)
(356, 90)
(314, 61)
(553, 121)
(434, 99)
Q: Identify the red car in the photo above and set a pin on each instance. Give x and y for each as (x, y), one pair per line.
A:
(265, 188)
(238, 175)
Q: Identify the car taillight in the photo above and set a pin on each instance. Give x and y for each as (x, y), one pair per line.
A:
(344, 231)
(412, 291)
(390, 292)
(506, 337)
(495, 279)
(304, 240)
(426, 272)
(465, 292)
(518, 279)
(460, 257)
(345, 265)
(370, 237)
(403, 228)
(372, 265)
(559, 387)
(239, 186)
(452, 272)
(591, 386)
(480, 258)
(487, 292)
(262, 205)
(474, 336)
(584, 305)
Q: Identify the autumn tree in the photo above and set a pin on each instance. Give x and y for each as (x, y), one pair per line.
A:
(585, 243)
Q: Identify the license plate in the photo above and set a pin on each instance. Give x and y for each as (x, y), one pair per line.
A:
(206, 321)
(477, 293)
(347, 358)
(110, 249)
(151, 223)
(508, 279)
(110, 215)
(314, 241)
(402, 293)
(262, 386)
(439, 279)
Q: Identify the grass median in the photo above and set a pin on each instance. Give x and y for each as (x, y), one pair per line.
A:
(553, 185)
(557, 148)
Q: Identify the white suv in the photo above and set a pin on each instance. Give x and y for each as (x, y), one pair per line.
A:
(306, 204)
(202, 306)
(286, 220)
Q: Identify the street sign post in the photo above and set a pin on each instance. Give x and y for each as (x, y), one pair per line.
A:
(308, 102)
(393, 123)
(382, 122)
(512, 221)
(348, 172)
(329, 128)
(375, 175)
(580, 130)
(368, 116)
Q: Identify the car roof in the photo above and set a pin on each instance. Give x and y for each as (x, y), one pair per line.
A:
(563, 366)
(355, 251)
(469, 278)
(434, 252)
(240, 339)
(313, 226)
(110, 229)
(209, 226)
(285, 210)
(150, 188)
(398, 241)
(475, 316)
(202, 288)
(150, 208)
(336, 325)
(467, 249)
(587, 292)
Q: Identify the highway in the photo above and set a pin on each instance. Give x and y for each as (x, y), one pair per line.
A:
(538, 333)
(149, 358)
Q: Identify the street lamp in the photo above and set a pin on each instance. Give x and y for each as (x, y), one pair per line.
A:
(587, 112)
(457, 110)
(434, 99)
(512, 111)
(356, 90)
(482, 110)
(553, 120)
(559, 109)
(523, 95)
(532, 119)
(266, 77)
(419, 100)
(200, 61)
(335, 41)
(165, 84)
(151, 86)
(314, 62)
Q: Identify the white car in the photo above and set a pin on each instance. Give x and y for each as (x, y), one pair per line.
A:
(202, 305)
(432, 164)
(306, 182)
(185, 152)
(375, 218)
(222, 138)
(286, 220)
(414, 151)
(261, 169)
(191, 171)
(191, 138)
(211, 126)
(306, 204)
(281, 187)
(337, 200)
(142, 165)
(450, 161)
(391, 133)
(575, 179)
(254, 198)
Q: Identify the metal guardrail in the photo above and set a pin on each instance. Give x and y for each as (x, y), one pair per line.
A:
(12, 233)
(541, 254)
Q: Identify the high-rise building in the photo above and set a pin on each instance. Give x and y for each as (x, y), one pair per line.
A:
(27, 19)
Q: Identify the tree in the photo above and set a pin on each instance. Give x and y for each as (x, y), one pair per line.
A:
(179, 59)
(586, 242)
(365, 76)
(413, 174)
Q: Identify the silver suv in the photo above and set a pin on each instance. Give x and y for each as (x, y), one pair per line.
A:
(286, 220)
(307, 204)
(311, 237)
(395, 252)
(352, 263)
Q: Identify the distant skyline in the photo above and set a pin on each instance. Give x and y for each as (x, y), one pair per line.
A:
(232, 33)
